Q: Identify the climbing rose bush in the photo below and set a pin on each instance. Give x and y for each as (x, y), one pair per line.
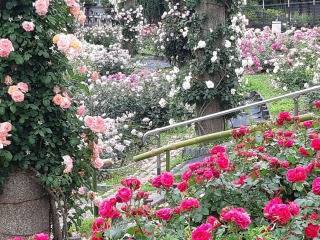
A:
(264, 185)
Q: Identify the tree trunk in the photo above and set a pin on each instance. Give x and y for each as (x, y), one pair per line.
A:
(214, 15)
(24, 207)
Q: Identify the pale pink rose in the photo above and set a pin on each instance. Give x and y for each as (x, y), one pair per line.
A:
(82, 190)
(71, 3)
(82, 18)
(83, 69)
(57, 99)
(97, 163)
(95, 76)
(75, 11)
(65, 103)
(81, 111)
(41, 7)
(99, 125)
(6, 47)
(17, 96)
(63, 43)
(89, 121)
(8, 80)
(5, 127)
(23, 87)
(28, 26)
(68, 162)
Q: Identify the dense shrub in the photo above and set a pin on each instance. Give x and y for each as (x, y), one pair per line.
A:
(264, 185)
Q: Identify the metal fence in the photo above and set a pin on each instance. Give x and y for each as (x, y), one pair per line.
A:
(297, 14)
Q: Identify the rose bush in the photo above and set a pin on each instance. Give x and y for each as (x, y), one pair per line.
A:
(39, 129)
(258, 187)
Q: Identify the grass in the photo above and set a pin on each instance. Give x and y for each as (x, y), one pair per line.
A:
(262, 84)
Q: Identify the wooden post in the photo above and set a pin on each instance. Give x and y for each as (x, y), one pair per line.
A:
(214, 14)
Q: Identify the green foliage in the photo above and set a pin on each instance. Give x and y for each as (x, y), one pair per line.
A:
(42, 132)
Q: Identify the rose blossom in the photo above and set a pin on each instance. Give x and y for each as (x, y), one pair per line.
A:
(6, 47)
(316, 186)
(164, 214)
(8, 80)
(166, 179)
(182, 186)
(189, 204)
(201, 233)
(100, 224)
(239, 216)
(107, 209)
(298, 174)
(81, 111)
(312, 231)
(41, 236)
(28, 26)
(17, 96)
(124, 195)
(132, 183)
(315, 144)
(23, 87)
(68, 161)
(41, 7)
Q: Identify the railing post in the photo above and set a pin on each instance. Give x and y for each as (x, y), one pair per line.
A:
(95, 188)
(168, 167)
(159, 156)
(296, 106)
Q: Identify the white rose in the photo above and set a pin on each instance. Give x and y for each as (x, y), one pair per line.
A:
(210, 84)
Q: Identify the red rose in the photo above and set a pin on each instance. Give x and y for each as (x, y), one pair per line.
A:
(214, 222)
(164, 214)
(183, 186)
(294, 208)
(298, 174)
(317, 104)
(303, 152)
(100, 224)
(218, 149)
(132, 183)
(315, 144)
(223, 162)
(312, 231)
(284, 117)
(316, 186)
(124, 195)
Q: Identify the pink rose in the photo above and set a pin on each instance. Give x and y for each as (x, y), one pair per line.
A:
(23, 87)
(5, 127)
(65, 103)
(183, 186)
(28, 26)
(17, 96)
(97, 163)
(41, 7)
(167, 179)
(83, 69)
(124, 195)
(164, 214)
(236, 215)
(189, 204)
(81, 111)
(70, 3)
(316, 186)
(57, 99)
(298, 174)
(6, 47)
(68, 161)
(41, 236)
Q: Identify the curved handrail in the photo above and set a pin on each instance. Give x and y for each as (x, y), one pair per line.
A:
(226, 112)
(205, 138)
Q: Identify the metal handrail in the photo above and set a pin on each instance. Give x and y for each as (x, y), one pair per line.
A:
(295, 95)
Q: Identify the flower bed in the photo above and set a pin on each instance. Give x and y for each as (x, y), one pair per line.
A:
(264, 185)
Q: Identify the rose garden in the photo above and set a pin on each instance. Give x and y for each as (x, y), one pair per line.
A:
(169, 119)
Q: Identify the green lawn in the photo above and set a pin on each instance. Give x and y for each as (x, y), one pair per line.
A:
(262, 84)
